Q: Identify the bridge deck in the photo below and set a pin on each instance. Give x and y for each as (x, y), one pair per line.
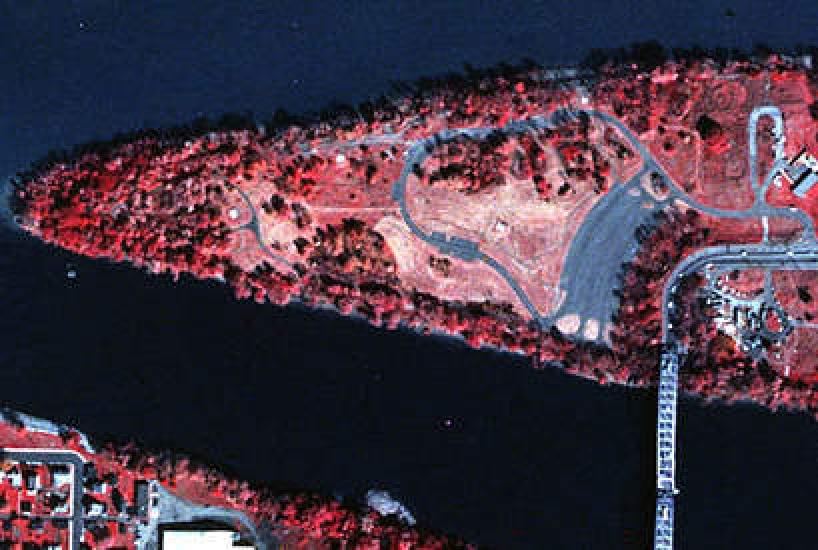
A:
(666, 449)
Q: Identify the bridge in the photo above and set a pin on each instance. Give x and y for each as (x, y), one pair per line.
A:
(666, 450)
(801, 256)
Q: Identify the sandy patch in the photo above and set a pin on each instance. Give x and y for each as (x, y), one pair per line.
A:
(396, 234)
(606, 334)
(465, 281)
(568, 324)
(591, 331)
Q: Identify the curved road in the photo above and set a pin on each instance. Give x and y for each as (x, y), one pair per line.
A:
(759, 208)
(593, 244)
(798, 257)
(588, 289)
(253, 226)
(461, 248)
(738, 256)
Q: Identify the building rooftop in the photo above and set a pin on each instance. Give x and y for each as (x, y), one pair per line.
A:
(802, 172)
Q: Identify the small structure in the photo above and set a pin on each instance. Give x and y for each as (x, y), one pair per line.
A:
(802, 172)
(60, 475)
(14, 476)
(32, 480)
(140, 491)
(501, 227)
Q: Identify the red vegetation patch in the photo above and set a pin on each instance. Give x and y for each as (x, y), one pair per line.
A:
(636, 338)
(468, 165)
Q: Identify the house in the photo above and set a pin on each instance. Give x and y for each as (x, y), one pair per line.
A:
(60, 475)
(93, 507)
(98, 486)
(802, 172)
(14, 476)
(32, 480)
(203, 540)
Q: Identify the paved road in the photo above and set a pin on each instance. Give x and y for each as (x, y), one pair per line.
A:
(606, 239)
(174, 509)
(617, 222)
(802, 255)
(752, 136)
(58, 457)
(253, 226)
(799, 257)
(462, 248)
(794, 257)
(760, 208)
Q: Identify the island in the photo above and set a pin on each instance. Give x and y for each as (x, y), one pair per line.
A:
(647, 222)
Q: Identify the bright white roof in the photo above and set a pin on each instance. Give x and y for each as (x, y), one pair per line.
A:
(200, 540)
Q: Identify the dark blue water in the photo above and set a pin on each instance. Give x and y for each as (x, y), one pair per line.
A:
(283, 396)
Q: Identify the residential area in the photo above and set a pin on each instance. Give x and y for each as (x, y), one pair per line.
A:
(56, 500)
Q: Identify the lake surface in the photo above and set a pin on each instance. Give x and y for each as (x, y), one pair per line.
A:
(532, 459)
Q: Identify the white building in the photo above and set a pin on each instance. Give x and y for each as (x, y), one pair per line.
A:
(802, 172)
(60, 478)
(216, 539)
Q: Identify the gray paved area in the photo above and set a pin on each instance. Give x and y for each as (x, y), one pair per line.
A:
(605, 240)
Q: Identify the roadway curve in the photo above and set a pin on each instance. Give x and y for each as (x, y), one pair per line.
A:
(799, 257)
(802, 255)
(253, 226)
(588, 290)
(461, 248)
(759, 208)
(592, 244)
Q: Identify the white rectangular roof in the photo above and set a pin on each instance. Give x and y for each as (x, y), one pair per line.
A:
(200, 540)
